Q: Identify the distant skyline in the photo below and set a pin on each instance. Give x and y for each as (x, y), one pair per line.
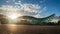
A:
(36, 8)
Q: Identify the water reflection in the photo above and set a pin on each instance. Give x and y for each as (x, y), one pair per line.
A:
(28, 29)
(11, 27)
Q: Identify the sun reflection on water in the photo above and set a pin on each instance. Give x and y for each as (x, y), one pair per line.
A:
(12, 27)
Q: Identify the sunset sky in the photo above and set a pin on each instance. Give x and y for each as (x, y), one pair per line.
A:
(36, 8)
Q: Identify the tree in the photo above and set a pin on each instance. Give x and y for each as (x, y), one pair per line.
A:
(59, 22)
(3, 19)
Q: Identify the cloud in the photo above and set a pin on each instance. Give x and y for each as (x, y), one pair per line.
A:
(55, 20)
(10, 1)
(38, 16)
(43, 9)
(23, 9)
(42, 1)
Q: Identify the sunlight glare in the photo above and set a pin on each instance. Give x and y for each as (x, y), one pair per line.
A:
(14, 16)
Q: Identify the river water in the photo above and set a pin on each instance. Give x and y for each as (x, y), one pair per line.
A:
(28, 29)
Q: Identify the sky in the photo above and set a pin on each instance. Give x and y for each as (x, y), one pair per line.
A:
(36, 8)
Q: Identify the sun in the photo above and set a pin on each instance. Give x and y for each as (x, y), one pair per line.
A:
(14, 16)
